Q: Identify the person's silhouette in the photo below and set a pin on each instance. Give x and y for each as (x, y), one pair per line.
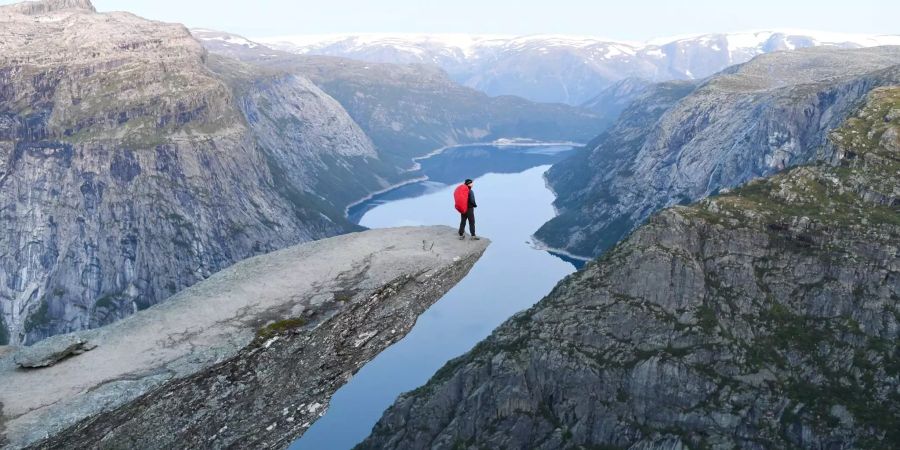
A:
(464, 198)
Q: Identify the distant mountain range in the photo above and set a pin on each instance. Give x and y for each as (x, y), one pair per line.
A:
(567, 69)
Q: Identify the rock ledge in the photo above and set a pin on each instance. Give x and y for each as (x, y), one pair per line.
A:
(249, 357)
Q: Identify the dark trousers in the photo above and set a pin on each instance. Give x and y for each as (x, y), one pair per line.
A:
(470, 216)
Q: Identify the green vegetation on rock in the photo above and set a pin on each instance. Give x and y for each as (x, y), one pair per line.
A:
(763, 317)
(279, 327)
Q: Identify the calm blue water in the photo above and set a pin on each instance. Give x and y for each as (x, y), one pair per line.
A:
(512, 275)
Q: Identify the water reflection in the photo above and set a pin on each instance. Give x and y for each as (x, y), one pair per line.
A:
(458, 163)
(511, 276)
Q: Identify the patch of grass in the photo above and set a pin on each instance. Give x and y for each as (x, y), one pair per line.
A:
(818, 399)
(790, 330)
(343, 296)
(279, 327)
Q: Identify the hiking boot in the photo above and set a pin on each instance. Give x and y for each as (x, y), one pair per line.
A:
(462, 238)
(476, 238)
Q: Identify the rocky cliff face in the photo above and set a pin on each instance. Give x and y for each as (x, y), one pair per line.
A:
(763, 318)
(316, 152)
(129, 170)
(410, 110)
(749, 121)
(248, 358)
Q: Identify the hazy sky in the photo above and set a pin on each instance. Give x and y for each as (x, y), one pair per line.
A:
(625, 19)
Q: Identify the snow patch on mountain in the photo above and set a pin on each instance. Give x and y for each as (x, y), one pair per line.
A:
(470, 44)
(227, 38)
(566, 68)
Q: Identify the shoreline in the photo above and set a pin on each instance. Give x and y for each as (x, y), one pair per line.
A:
(535, 242)
(371, 195)
(497, 143)
(552, 191)
(416, 166)
(541, 245)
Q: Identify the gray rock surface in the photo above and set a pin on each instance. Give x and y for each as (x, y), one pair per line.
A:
(52, 353)
(675, 145)
(247, 358)
(132, 165)
(766, 318)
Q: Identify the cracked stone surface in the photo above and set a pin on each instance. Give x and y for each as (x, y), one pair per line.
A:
(220, 362)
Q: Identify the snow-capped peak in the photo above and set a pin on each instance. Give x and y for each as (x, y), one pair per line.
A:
(469, 44)
(559, 68)
(226, 38)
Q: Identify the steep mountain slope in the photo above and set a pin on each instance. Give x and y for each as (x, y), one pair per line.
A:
(569, 69)
(315, 151)
(610, 102)
(128, 169)
(410, 110)
(764, 318)
(749, 121)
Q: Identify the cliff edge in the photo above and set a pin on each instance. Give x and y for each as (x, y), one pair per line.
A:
(249, 357)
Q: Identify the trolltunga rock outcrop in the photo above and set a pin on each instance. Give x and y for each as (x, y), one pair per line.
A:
(249, 357)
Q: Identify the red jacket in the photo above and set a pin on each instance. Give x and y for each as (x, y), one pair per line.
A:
(461, 198)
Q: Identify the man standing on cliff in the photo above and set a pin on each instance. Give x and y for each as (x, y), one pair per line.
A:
(464, 200)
